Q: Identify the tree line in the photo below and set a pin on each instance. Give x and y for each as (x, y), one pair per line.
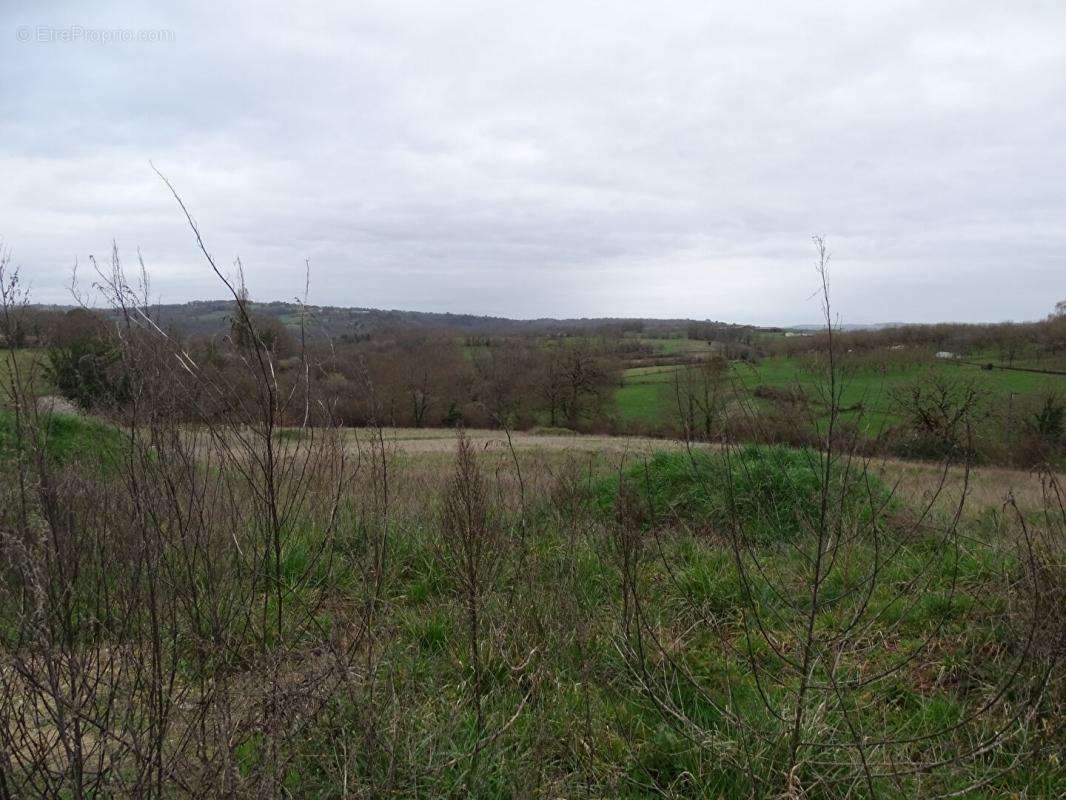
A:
(399, 377)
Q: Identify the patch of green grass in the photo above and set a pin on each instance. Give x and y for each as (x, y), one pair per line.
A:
(427, 581)
(708, 579)
(771, 491)
(430, 631)
(678, 346)
(644, 401)
(65, 439)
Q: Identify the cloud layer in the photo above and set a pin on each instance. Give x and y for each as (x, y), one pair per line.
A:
(552, 159)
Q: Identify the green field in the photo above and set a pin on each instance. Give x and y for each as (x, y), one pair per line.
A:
(677, 347)
(647, 395)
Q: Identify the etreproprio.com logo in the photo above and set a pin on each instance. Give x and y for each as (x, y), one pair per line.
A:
(72, 34)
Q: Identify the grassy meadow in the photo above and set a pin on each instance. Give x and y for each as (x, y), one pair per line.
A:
(624, 647)
(647, 395)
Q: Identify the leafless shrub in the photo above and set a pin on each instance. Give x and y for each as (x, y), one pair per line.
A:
(471, 553)
(943, 414)
(764, 392)
(163, 608)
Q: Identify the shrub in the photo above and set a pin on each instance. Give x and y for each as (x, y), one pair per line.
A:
(768, 490)
(83, 372)
(780, 394)
(941, 414)
(1049, 421)
(1043, 436)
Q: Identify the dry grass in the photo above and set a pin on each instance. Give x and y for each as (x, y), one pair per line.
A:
(917, 482)
(442, 440)
(424, 456)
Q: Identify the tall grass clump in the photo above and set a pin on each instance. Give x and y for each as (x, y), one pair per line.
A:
(770, 490)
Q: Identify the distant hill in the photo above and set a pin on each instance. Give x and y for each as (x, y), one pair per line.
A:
(207, 317)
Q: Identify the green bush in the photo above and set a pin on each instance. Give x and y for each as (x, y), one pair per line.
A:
(769, 490)
(85, 372)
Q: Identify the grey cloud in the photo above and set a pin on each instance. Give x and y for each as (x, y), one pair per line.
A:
(556, 158)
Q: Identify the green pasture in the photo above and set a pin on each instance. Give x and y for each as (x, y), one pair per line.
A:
(677, 347)
(647, 394)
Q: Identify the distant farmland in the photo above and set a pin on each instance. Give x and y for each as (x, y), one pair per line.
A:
(647, 396)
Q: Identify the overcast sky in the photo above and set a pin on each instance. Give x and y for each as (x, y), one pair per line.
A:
(549, 158)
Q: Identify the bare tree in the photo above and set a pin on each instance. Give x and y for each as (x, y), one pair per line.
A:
(574, 381)
(700, 394)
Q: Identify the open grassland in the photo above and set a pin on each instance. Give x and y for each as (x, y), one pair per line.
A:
(619, 648)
